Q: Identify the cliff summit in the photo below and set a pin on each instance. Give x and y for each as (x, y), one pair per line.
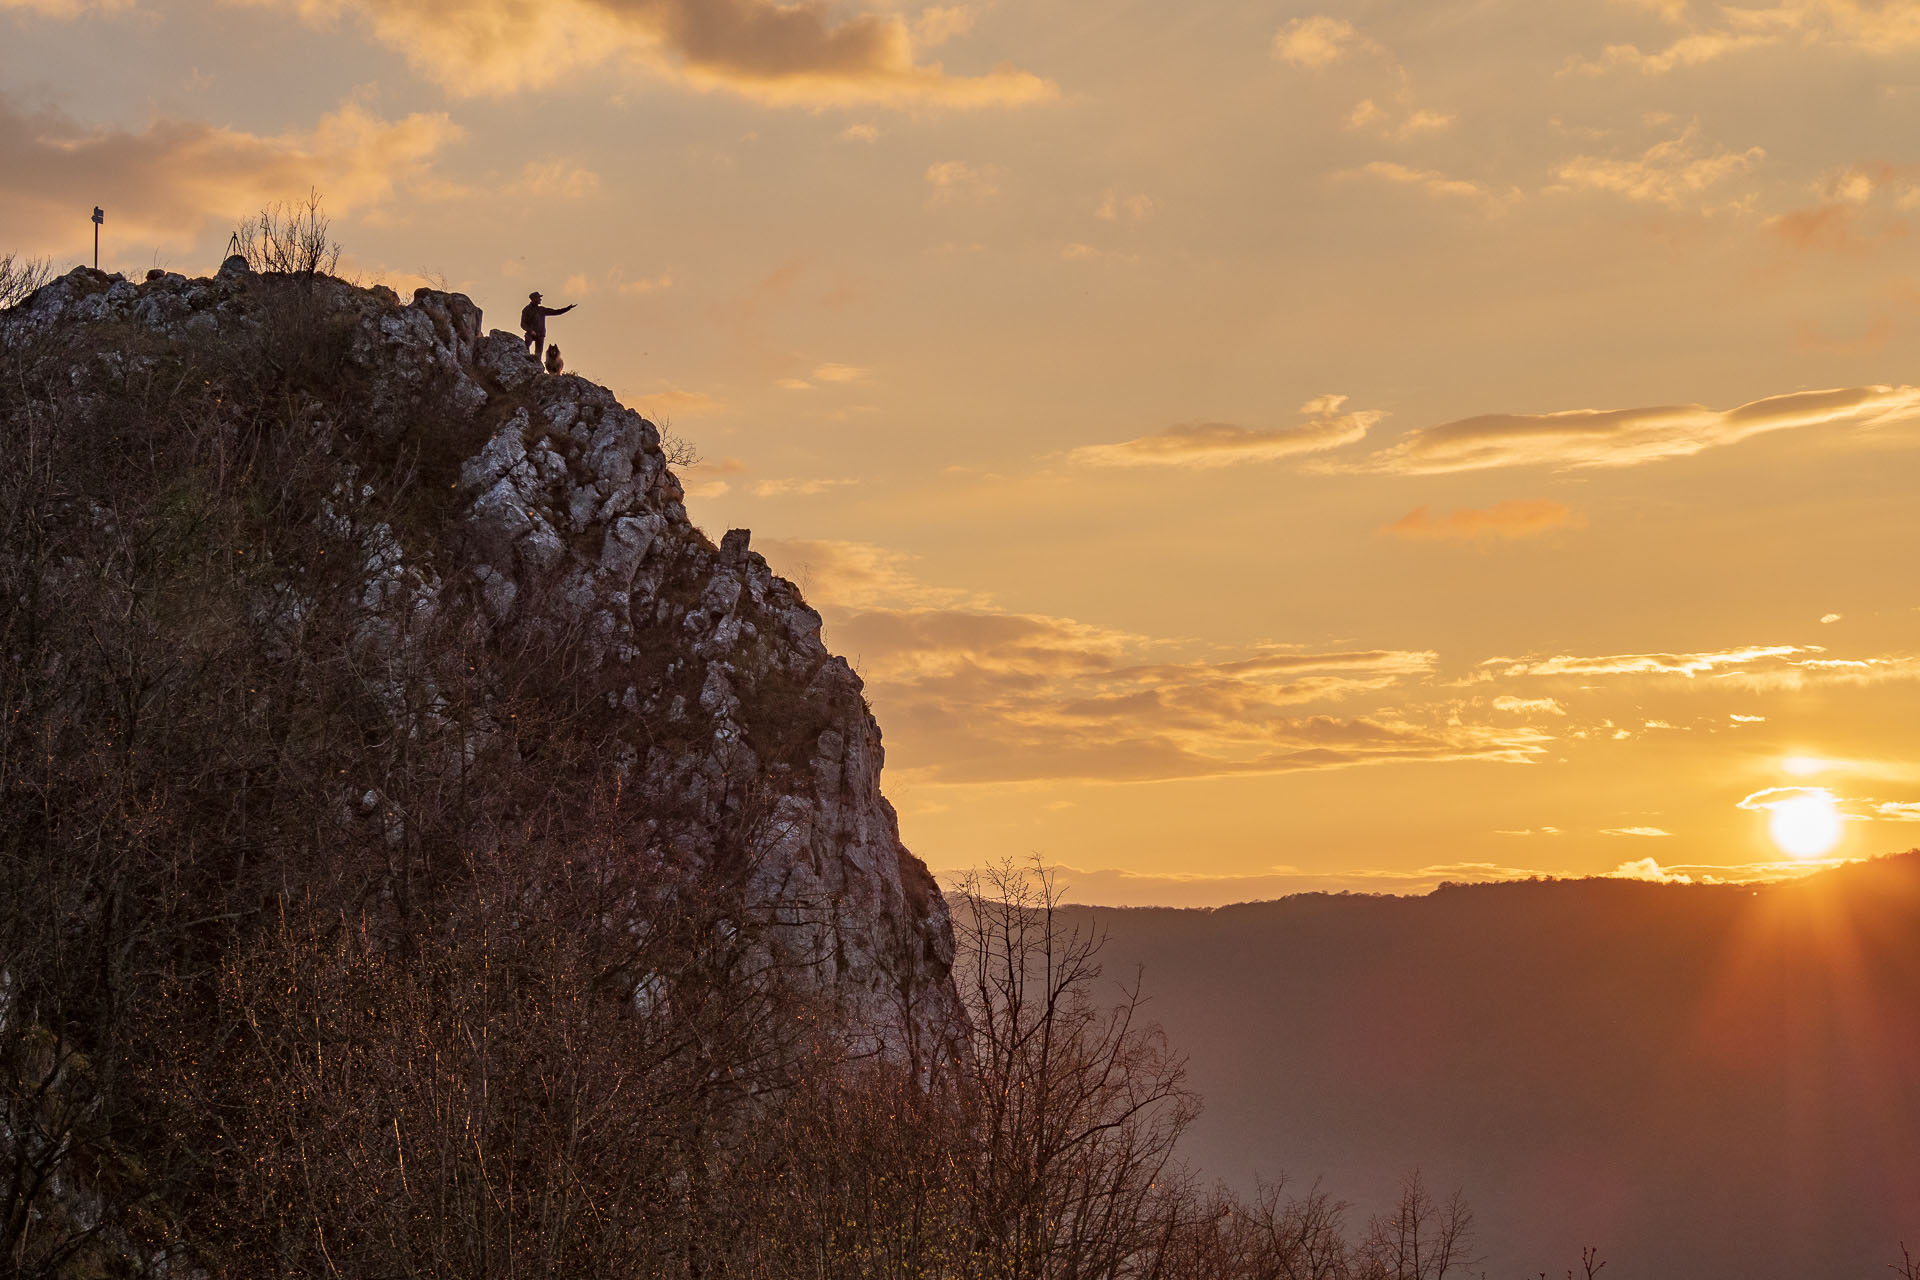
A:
(347, 575)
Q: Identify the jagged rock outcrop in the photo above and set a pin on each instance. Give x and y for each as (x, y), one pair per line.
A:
(535, 519)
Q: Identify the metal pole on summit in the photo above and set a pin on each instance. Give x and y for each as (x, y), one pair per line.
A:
(98, 218)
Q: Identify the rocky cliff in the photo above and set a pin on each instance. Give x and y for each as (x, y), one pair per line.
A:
(489, 566)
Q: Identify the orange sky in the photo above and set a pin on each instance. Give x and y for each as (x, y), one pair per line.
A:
(1245, 446)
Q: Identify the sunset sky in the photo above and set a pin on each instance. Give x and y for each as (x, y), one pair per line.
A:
(1245, 447)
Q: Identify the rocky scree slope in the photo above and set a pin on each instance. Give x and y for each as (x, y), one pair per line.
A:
(487, 563)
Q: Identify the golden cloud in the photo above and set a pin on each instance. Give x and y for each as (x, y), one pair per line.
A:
(841, 373)
(1648, 869)
(1874, 25)
(556, 179)
(1573, 438)
(164, 183)
(1113, 206)
(855, 575)
(790, 486)
(1636, 664)
(1529, 706)
(1320, 41)
(1368, 114)
(1676, 172)
(796, 54)
(956, 181)
(972, 693)
(674, 399)
(1690, 50)
(1434, 183)
(1221, 444)
(1518, 518)
(976, 695)
(1772, 797)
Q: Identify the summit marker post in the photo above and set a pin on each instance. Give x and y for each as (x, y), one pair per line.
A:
(99, 216)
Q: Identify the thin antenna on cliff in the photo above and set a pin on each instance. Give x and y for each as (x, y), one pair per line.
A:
(98, 217)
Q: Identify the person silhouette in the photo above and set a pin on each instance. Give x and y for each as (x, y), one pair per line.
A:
(533, 322)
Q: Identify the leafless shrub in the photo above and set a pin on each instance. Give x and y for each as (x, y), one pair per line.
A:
(677, 449)
(289, 237)
(20, 276)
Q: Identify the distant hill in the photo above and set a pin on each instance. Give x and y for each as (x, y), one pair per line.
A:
(1706, 1081)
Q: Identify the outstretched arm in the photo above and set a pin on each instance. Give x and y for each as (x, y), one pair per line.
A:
(560, 311)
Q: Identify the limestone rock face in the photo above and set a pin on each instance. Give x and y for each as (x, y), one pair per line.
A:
(558, 523)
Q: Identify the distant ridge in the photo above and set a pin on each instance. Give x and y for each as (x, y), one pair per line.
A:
(1706, 1081)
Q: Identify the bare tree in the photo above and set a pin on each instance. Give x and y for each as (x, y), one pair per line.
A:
(289, 237)
(1077, 1100)
(20, 276)
(676, 448)
(1420, 1240)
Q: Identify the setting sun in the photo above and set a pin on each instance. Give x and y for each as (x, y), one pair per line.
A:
(1805, 826)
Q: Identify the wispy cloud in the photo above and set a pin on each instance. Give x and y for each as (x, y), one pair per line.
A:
(837, 374)
(1648, 869)
(649, 284)
(1077, 252)
(1442, 185)
(1676, 664)
(1518, 518)
(1873, 25)
(856, 575)
(973, 693)
(1114, 207)
(1529, 706)
(793, 487)
(1221, 444)
(673, 399)
(1690, 50)
(1646, 832)
(1573, 438)
(711, 479)
(556, 179)
(1321, 41)
(988, 696)
(959, 182)
(1677, 172)
(1398, 125)
(802, 54)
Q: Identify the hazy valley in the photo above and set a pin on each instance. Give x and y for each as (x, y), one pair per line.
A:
(1704, 1081)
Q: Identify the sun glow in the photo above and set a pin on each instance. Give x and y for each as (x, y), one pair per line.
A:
(1806, 825)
